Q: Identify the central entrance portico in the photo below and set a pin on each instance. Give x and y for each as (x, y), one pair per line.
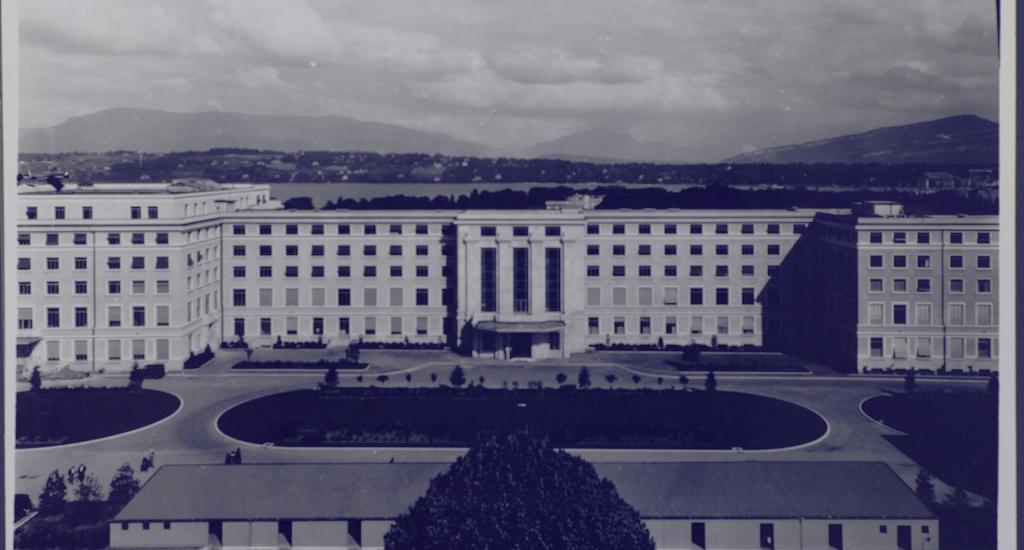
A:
(518, 340)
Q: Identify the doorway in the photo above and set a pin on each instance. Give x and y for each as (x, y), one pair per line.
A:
(903, 537)
(522, 346)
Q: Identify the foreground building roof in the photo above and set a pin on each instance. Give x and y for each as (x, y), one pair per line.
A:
(848, 490)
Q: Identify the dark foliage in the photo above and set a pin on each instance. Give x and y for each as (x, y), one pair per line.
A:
(449, 416)
(42, 416)
(124, 485)
(401, 345)
(51, 500)
(342, 364)
(711, 383)
(299, 203)
(583, 379)
(79, 525)
(195, 361)
(237, 344)
(952, 435)
(515, 493)
(36, 380)
(309, 344)
(457, 377)
(331, 377)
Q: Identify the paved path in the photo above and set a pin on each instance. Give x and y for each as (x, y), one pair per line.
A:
(190, 436)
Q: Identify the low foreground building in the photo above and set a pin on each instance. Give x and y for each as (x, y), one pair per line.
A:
(690, 505)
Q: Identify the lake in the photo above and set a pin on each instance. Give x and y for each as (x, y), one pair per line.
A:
(323, 192)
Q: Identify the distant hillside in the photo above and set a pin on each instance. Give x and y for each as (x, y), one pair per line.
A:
(161, 131)
(963, 139)
(603, 145)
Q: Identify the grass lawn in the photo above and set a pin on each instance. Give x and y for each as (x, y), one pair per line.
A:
(595, 418)
(68, 415)
(738, 362)
(952, 435)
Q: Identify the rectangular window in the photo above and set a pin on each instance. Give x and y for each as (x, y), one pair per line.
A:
(876, 261)
(52, 264)
(876, 314)
(291, 297)
(696, 296)
(696, 250)
(644, 229)
(984, 286)
(923, 314)
(395, 250)
(899, 261)
(747, 296)
(53, 317)
(81, 317)
(644, 250)
(984, 348)
(899, 347)
(645, 296)
(956, 262)
(723, 325)
(773, 229)
(696, 271)
(956, 348)
(488, 279)
(670, 229)
(593, 296)
(984, 262)
(696, 229)
(618, 229)
(552, 231)
(721, 250)
(291, 325)
(553, 279)
(316, 250)
(983, 313)
(645, 325)
(291, 229)
(877, 347)
(748, 324)
(924, 285)
(24, 288)
(773, 250)
(924, 238)
(671, 271)
(697, 325)
(114, 316)
(317, 297)
(138, 316)
(24, 264)
(152, 212)
(593, 325)
(956, 286)
(924, 262)
(618, 296)
(924, 347)
(899, 237)
(370, 297)
(722, 296)
(698, 534)
(344, 297)
(620, 325)
(239, 297)
(344, 325)
(984, 237)
(875, 237)
(644, 271)
(521, 280)
(899, 314)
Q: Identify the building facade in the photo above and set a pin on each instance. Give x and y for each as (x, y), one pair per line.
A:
(114, 275)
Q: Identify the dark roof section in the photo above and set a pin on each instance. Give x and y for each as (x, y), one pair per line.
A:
(280, 491)
(813, 490)
(778, 490)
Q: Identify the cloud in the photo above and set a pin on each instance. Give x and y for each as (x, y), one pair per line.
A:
(550, 65)
(264, 78)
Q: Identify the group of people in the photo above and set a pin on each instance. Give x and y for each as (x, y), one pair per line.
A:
(76, 474)
(148, 461)
(233, 457)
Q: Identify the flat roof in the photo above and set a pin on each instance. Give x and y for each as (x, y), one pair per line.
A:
(777, 490)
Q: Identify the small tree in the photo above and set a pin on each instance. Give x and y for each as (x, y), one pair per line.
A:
(684, 380)
(910, 381)
(458, 376)
(993, 385)
(331, 377)
(636, 379)
(135, 378)
(660, 380)
(711, 383)
(433, 378)
(36, 380)
(124, 485)
(583, 380)
(408, 378)
(924, 487)
(957, 500)
(51, 500)
(561, 378)
(611, 378)
(88, 490)
(352, 353)
(359, 378)
(482, 380)
(383, 379)
(661, 343)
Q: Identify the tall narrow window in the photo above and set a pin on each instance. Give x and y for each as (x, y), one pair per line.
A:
(521, 280)
(488, 279)
(553, 278)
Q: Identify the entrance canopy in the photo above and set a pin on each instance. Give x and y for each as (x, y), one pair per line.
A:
(25, 345)
(520, 327)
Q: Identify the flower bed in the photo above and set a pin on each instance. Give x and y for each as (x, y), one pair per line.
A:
(323, 364)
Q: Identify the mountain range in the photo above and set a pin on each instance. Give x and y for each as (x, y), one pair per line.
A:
(958, 139)
(962, 139)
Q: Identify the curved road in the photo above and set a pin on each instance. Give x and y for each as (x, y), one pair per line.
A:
(191, 436)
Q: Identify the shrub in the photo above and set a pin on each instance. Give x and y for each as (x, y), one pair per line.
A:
(310, 344)
(561, 378)
(124, 485)
(331, 377)
(457, 377)
(583, 380)
(36, 380)
(135, 378)
(88, 490)
(195, 361)
(52, 499)
(711, 383)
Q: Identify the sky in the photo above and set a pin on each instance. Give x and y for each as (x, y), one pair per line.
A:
(712, 78)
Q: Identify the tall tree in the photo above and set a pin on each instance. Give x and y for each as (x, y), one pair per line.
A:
(514, 492)
(458, 376)
(583, 380)
(924, 487)
(711, 383)
(124, 485)
(55, 491)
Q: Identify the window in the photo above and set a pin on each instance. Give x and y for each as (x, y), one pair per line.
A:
(553, 279)
(53, 317)
(291, 250)
(984, 286)
(956, 286)
(593, 296)
(984, 237)
(422, 271)
(618, 296)
(956, 237)
(316, 250)
(899, 237)
(956, 262)
(620, 325)
(747, 229)
(291, 297)
(136, 212)
(239, 297)
(421, 229)
(316, 229)
(696, 229)
(983, 314)
(24, 264)
(899, 314)
(395, 271)
(79, 239)
(395, 250)
(696, 271)
(593, 325)
(31, 212)
(138, 262)
(670, 229)
(721, 229)
(422, 297)
(266, 297)
(291, 229)
(696, 296)
(266, 250)
(722, 296)
(956, 314)
(138, 287)
(58, 212)
(291, 271)
(644, 296)
(773, 250)
(152, 212)
(644, 250)
(421, 250)
(670, 250)
(899, 261)
(644, 229)
(113, 287)
(24, 239)
(924, 261)
(984, 262)
(697, 325)
(161, 238)
(985, 348)
(876, 314)
(521, 280)
(593, 229)
(552, 231)
(520, 231)
(644, 271)
(924, 314)
(721, 271)
(747, 250)
(956, 348)
(316, 271)
(238, 272)
(593, 271)
(266, 229)
(238, 250)
(266, 271)
(238, 229)
(24, 288)
(81, 317)
(618, 229)
(670, 271)
(619, 250)
(52, 288)
(875, 261)
(645, 325)
(618, 271)
(138, 316)
(52, 264)
(747, 296)
(696, 250)
(721, 249)
(52, 239)
(899, 285)
(899, 347)
(924, 285)
(163, 316)
(747, 270)
(773, 229)
(698, 534)
(877, 347)
(723, 324)
(369, 250)
(924, 237)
